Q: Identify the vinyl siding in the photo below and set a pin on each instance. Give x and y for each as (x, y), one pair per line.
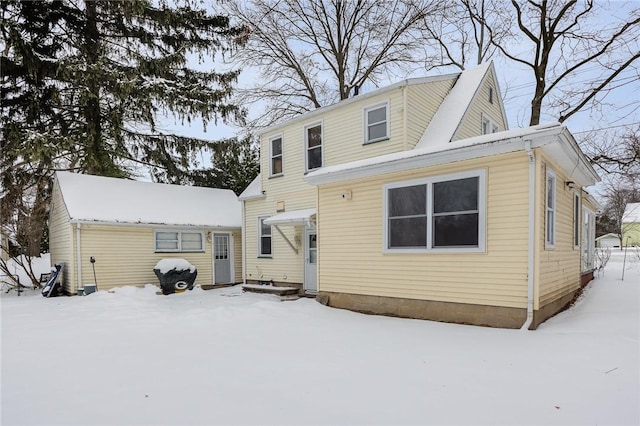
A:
(351, 259)
(471, 124)
(60, 239)
(237, 256)
(423, 101)
(559, 267)
(125, 256)
(284, 261)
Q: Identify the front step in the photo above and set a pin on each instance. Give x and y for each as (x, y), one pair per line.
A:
(269, 289)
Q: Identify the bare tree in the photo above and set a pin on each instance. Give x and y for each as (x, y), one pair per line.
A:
(615, 152)
(560, 39)
(468, 33)
(312, 53)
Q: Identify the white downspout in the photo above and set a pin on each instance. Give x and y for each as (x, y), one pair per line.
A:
(79, 257)
(243, 233)
(531, 236)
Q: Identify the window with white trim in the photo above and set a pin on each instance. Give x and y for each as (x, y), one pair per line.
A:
(488, 125)
(576, 220)
(313, 146)
(264, 238)
(550, 207)
(276, 163)
(376, 123)
(439, 213)
(178, 241)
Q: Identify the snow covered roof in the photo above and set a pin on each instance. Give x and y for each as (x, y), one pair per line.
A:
(631, 213)
(102, 199)
(449, 115)
(442, 152)
(253, 190)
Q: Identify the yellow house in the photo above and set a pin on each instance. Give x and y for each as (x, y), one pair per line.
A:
(127, 226)
(414, 200)
(631, 225)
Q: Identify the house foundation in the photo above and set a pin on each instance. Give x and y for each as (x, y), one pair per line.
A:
(460, 313)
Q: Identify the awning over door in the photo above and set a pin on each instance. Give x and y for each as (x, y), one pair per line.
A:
(294, 218)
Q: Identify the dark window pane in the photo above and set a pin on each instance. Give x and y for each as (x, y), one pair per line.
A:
(455, 230)
(276, 165)
(377, 131)
(455, 195)
(408, 201)
(276, 147)
(314, 136)
(265, 245)
(377, 115)
(314, 158)
(410, 232)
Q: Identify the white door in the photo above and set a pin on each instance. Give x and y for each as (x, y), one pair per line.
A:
(310, 260)
(222, 258)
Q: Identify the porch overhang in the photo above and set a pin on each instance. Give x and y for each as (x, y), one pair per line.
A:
(293, 218)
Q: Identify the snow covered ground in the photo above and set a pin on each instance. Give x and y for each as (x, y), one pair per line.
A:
(223, 357)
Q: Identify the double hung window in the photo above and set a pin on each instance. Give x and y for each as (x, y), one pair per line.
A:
(313, 144)
(276, 156)
(376, 121)
(264, 238)
(550, 219)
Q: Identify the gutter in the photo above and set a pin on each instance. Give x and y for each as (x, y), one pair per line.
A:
(531, 234)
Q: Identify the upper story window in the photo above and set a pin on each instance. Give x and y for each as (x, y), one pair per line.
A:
(313, 145)
(490, 95)
(550, 219)
(376, 123)
(264, 238)
(440, 213)
(178, 241)
(276, 168)
(488, 125)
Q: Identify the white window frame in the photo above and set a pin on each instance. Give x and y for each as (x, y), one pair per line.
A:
(366, 124)
(481, 174)
(550, 232)
(271, 156)
(490, 123)
(577, 214)
(179, 248)
(260, 254)
(306, 145)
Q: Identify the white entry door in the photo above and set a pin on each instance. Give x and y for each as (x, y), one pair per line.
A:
(222, 258)
(311, 260)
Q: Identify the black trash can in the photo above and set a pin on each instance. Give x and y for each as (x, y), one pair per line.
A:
(175, 275)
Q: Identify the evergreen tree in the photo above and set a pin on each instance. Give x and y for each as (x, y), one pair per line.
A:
(235, 165)
(83, 83)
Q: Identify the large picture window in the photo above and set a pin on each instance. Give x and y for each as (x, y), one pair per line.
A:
(313, 142)
(445, 212)
(264, 238)
(376, 123)
(550, 218)
(276, 156)
(178, 241)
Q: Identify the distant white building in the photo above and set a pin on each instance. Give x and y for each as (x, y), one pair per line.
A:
(608, 241)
